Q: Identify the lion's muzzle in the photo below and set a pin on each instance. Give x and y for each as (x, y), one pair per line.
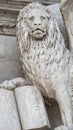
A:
(38, 33)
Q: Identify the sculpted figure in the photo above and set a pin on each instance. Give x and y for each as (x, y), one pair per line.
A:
(45, 58)
(66, 7)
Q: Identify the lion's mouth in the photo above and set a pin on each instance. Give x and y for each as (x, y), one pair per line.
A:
(38, 33)
(37, 30)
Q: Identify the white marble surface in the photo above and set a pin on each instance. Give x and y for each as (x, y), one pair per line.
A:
(9, 119)
(31, 108)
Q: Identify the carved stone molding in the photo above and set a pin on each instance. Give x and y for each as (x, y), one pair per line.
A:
(7, 28)
(9, 10)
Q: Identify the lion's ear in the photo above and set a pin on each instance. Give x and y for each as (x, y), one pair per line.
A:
(20, 16)
(49, 13)
(47, 9)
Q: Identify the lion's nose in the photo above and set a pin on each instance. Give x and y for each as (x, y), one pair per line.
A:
(37, 22)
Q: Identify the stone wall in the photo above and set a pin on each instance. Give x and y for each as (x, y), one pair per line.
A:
(10, 66)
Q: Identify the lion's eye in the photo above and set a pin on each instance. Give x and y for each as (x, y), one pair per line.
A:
(49, 17)
(43, 17)
(31, 18)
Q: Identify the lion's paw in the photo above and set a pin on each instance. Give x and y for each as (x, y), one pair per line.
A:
(62, 128)
(13, 83)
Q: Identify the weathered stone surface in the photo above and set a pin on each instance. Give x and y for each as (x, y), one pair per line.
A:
(9, 60)
(55, 9)
(9, 48)
(67, 12)
(45, 57)
(9, 119)
(31, 108)
(9, 70)
(10, 66)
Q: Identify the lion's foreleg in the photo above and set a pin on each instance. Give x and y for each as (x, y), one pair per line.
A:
(63, 99)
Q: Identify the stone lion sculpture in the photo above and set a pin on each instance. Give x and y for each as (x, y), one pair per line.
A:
(44, 57)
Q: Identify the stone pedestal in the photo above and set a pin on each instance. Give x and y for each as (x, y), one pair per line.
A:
(31, 108)
(9, 119)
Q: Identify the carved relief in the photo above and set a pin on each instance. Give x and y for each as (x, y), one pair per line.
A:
(67, 12)
(45, 57)
(8, 28)
(45, 60)
(9, 10)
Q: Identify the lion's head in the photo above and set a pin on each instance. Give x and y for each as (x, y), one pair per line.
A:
(36, 24)
(35, 18)
(34, 21)
(37, 21)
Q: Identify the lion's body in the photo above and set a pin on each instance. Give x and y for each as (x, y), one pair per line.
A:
(46, 66)
(44, 56)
